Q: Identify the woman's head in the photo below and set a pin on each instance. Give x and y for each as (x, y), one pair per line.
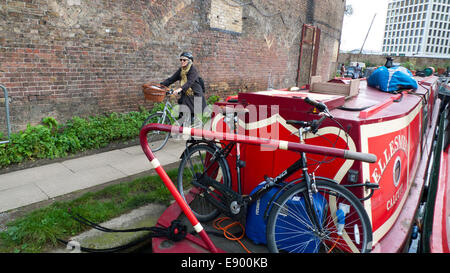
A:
(186, 58)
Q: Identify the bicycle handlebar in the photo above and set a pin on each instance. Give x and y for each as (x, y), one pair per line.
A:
(315, 124)
(311, 126)
(319, 105)
(371, 158)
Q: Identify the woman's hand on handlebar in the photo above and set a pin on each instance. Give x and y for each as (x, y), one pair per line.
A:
(172, 91)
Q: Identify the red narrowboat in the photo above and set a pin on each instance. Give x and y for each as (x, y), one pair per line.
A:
(397, 128)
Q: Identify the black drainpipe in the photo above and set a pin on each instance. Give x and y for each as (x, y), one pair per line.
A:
(310, 12)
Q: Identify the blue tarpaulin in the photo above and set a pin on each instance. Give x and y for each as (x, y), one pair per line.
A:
(392, 79)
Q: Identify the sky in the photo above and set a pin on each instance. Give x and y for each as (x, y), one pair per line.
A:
(355, 27)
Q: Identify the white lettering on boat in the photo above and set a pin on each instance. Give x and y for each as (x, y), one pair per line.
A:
(400, 142)
(393, 200)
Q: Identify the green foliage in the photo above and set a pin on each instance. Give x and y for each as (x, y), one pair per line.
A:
(408, 65)
(370, 64)
(52, 139)
(213, 99)
(50, 122)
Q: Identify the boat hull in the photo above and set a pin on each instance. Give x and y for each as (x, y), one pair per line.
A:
(398, 129)
(439, 240)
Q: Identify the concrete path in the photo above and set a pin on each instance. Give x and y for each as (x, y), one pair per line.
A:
(29, 186)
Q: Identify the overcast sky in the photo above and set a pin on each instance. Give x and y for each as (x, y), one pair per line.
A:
(356, 26)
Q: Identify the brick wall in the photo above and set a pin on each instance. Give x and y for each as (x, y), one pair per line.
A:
(62, 58)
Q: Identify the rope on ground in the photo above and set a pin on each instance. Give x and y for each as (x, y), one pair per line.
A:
(230, 236)
(175, 232)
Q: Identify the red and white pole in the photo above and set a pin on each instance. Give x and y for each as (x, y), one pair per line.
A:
(173, 190)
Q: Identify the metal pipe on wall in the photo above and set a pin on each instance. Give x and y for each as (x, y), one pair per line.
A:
(5, 91)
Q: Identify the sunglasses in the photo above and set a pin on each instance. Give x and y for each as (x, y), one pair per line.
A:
(183, 60)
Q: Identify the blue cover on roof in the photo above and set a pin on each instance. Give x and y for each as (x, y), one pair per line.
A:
(392, 79)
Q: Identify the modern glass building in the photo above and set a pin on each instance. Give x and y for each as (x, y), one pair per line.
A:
(417, 28)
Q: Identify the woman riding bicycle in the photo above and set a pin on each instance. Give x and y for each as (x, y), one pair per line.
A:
(191, 90)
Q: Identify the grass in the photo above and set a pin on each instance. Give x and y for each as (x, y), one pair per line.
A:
(38, 231)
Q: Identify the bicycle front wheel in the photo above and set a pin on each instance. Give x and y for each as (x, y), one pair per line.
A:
(343, 226)
(157, 139)
(199, 162)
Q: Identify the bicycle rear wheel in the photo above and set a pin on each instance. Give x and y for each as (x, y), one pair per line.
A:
(198, 162)
(157, 139)
(343, 220)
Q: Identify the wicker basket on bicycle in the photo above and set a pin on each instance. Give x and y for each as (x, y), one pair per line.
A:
(154, 91)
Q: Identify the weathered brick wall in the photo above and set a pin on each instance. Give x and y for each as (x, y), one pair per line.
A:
(63, 58)
(328, 17)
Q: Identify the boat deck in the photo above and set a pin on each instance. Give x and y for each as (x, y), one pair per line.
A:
(193, 244)
(376, 105)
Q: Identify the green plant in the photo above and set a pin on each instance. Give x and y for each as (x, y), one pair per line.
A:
(370, 64)
(50, 122)
(213, 99)
(52, 139)
(408, 65)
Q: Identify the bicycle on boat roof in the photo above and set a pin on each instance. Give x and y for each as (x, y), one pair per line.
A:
(313, 214)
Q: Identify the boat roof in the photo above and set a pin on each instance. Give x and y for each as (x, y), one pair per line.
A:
(367, 106)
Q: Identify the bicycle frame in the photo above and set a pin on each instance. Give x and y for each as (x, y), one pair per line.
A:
(225, 151)
(167, 111)
(168, 107)
(228, 149)
(301, 163)
(277, 144)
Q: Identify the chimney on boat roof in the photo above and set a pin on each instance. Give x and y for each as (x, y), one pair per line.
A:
(389, 62)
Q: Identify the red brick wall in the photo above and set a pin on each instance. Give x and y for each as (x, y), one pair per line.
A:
(77, 57)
